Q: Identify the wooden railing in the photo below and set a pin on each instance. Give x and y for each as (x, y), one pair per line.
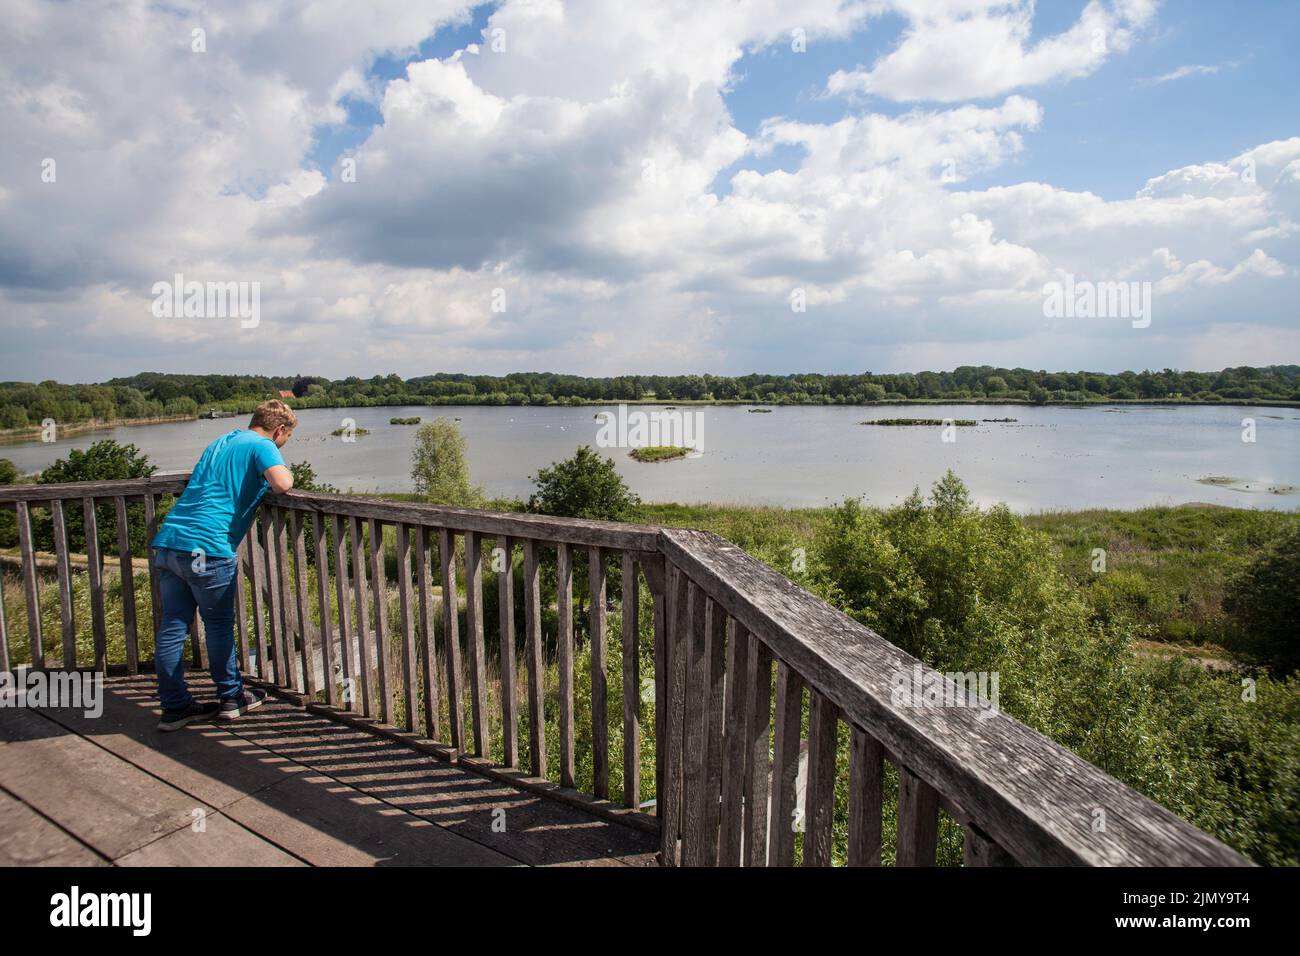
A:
(731, 762)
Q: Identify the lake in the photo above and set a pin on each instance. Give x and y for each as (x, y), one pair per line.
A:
(1049, 458)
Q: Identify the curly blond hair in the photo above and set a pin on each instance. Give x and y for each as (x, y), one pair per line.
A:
(273, 414)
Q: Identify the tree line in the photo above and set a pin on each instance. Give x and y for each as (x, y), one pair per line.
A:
(155, 394)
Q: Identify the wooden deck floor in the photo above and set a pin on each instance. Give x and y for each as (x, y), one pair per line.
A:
(278, 787)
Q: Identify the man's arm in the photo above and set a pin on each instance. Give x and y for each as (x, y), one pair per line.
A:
(279, 478)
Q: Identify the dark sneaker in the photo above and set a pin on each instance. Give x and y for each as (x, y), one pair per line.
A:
(176, 719)
(230, 709)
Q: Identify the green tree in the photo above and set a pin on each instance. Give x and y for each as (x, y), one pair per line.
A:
(584, 486)
(1264, 603)
(105, 460)
(439, 471)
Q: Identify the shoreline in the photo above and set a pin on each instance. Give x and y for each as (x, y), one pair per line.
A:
(33, 432)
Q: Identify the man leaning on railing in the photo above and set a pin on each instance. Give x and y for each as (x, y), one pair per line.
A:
(195, 552)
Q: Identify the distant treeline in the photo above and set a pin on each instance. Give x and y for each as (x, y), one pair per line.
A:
(153, 394)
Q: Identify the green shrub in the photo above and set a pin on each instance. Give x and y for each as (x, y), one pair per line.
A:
(971, 590)
(1264, 602)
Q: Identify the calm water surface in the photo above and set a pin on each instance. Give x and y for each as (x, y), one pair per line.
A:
(1115, 457)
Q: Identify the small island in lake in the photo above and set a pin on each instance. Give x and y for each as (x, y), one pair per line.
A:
(350, 431)
(659, 452)
(405, 421)
(920, 421)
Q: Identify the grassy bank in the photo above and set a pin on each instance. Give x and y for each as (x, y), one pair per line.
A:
(1164, 567)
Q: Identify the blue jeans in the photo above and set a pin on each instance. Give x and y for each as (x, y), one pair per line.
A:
(212, 592)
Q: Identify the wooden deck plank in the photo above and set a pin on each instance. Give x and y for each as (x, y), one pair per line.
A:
(537, 830)
(214, 765)
(318, 820)
(114, 807)
(28, 839)
(221, 841)
(285, 783)
(327, 824)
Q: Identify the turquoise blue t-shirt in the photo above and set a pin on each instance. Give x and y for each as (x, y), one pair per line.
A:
(217, 506)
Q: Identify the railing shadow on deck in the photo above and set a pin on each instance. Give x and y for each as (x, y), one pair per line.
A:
(394, 808)
(728, 774)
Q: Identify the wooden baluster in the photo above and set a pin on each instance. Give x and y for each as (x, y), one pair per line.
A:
(599, 680)
(734, 745)
(631, 685)
(428, 653)
(474, 638)
(506, 610)
(536, 671)
(65, 585)
(918, 820)
(785, 770)
(695, 742)
(819, 801)
(670, 797)
(980, 850)
(407, 604)
(5, 666)
(343, 601)
(126, 570)
(364, 632)
(155, 595)
(564, 651)
(758, 757)
(451, 636)
(663, 624)
(95, 579)
(275, 614)
(866, 792)
(290, 629)
(241, 608)
(257, 582)
(302, 601)
(31, 585)
(379, 586)
(715, 636)
(198, 644)
(323, 601)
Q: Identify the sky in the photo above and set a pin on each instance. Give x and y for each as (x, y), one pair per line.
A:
(675, 186)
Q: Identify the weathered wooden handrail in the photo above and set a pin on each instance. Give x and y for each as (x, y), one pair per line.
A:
(571, 531)
(728, 730)
(1029, 796)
